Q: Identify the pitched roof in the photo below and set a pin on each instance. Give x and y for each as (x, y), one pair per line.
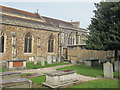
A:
(22, 15)
(19, 12)
(23, 18)
(57, 22)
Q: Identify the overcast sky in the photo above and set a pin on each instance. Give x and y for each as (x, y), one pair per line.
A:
(67, 11)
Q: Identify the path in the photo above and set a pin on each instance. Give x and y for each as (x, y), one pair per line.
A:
(51, 69)
(43, 70)
(85, 78)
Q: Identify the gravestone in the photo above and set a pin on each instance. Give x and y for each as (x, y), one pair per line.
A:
(108, 70)
(49, 59)
(117, 66)
(59, 59)
(54, 58)
(35, 61)
(42, 60)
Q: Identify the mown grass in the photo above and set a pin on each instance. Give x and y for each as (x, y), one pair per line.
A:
(101, 83)
(96, 71)
(39, 80)
(87, 71)
(31, 65)
(2, 69)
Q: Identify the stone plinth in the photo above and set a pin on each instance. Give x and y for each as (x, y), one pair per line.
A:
(60, 78)
(10, 75)
(91, 62)
(16, 64)
(16, 83)
(14, 80)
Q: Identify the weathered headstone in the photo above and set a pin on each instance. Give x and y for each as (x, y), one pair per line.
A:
(35, 61)
(54, 58)
(49, 59)
(108, 70)
(117, 66)
(42, 60)
(59, 59)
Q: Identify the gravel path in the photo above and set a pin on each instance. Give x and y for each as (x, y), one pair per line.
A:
(43, 70)
(85, 78)
(51, 69)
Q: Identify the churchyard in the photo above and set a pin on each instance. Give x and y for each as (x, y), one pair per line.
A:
(93, 65)
(39, 80)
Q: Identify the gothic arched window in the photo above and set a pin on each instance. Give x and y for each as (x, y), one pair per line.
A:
(50, 44)
(2, 42)
(28, 43)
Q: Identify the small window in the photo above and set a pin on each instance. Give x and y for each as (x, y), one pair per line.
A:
(50, 44)
(28, 43)
(2, 42)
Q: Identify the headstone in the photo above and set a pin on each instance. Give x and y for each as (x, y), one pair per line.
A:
(35, 61)
(117, 66)
(49, 59)
(54, 58)
(42, 60)
(74, 62)
(108, 70)
(59, 59)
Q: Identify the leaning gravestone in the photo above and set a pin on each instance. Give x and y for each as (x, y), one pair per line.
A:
(42, 60)
(108, 70)
(54, 58)
(117, 66)
(49, 59)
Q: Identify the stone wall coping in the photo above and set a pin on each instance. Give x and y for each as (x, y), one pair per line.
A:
(92, 59)
(9, 73)
(60, 73)
(15, 60)
(15, 81)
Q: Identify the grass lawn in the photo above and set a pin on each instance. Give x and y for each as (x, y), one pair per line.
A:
(101, 83)
(31, 65)
(39, 80)
(2, 69)
(87, 71)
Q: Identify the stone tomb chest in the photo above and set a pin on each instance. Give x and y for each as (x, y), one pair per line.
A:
(58, 79)
(16, 64)
(14, 80)
(91, 62)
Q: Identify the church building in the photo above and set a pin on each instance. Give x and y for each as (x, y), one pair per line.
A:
(29, 36)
